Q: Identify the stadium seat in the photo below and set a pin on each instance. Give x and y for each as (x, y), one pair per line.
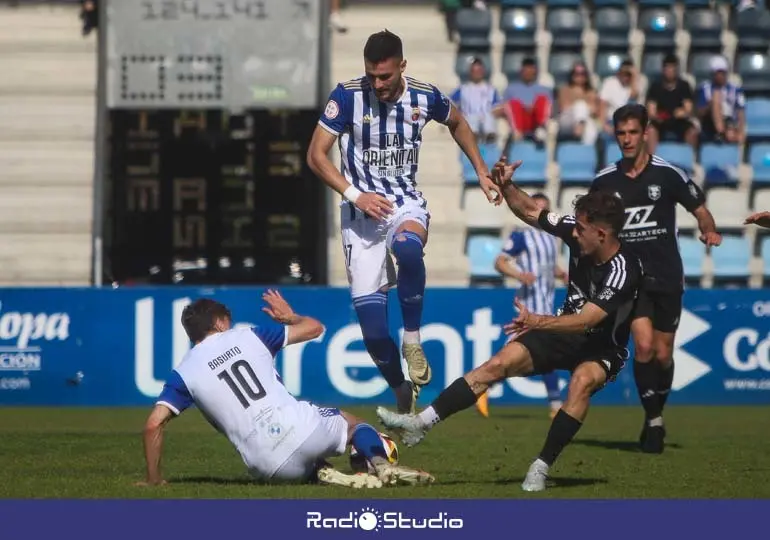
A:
(700, 66)
(612, 25)
(652, 64)
(577, 162)
(566, 28)
(512, 64)
(693, 254)
(764, 253)
(474, 26)
(679, 154)
(610, 3)
(728, 205)
(480, 215)
(518, 3)
(659, 28)
(519, 26)
(757, 119)
(469, 173)
(608, 62)
(483, 249)
(752, 26)
(563, 3)
(533, 170)
(463, 62)
(560, 65)
(705, 28)
(754, 69)
(697, 3)
(720, 163)
(612, 153)
(489, 152)
(731, 259)
(567, 197)
(759, 159)
(655, 3)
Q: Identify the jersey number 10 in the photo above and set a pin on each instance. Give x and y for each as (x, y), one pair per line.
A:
(241, 387)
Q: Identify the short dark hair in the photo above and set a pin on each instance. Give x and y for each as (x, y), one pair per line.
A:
(200, 318)
(627, 63)
(670, 58)
(383, 46)
(631, 111)
(542, 197)
(602, 207)
(528, 61)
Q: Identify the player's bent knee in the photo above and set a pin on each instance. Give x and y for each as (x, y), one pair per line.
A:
(644, 351)
(407, 248)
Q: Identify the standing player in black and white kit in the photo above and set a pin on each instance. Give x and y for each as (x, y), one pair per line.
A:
(651, 188)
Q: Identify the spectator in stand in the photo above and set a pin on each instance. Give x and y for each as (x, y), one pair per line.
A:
(721, 106)
(476, 99)
(670, 105)
(526, 104)
(616, 91)
(335, 19)
(89, 15)
(578, 108)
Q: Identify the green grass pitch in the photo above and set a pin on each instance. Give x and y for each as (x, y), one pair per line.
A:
(712, 452)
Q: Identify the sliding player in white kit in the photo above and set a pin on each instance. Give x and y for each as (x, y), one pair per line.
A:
(230, 375)
(377, 121)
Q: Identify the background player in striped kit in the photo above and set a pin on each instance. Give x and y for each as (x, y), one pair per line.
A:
(536, 253)
(378, 120)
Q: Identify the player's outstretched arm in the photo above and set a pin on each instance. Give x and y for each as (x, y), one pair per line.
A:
(521, 204)
(589, 317)
(153, 444)
(760, 218)
(299, 328)
(707, 226)
(465, 138)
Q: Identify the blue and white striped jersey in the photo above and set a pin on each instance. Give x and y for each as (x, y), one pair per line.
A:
(380, 142)
(535, 251)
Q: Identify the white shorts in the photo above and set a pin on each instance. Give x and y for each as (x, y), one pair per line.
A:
(366, 245)
(329, 438)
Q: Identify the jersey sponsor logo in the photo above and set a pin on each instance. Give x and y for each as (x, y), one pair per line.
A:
(332, 110)
(415, 114)
(553, 218)
(653, 192)
(638, 217)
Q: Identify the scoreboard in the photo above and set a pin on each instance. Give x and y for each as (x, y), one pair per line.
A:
(207, 109)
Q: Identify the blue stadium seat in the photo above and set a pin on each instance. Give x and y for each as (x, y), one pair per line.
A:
(563, 3)
(518, 3)
(759, 159)
(463, 62)
(700, 66)
(705, 28)
(652, 64)
(612, 153)
(720, 163)
(693, 253)
(474, 26)
(511, 67)
(577, 162)
(655, 3)
(698, 3)
(566, 27)
(489, 152)
(752, 26)
(560, 65)
(612, 3)
(764, 252)
(608, 62)
(758, 119)
(534, 160)
(519, 26)
(469, 173)
(679, 154)
(732, 258)
(612, 25)
(659, 28)
(754, 69)
(483, 249)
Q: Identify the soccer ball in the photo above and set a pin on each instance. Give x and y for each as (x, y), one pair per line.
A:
(360, 464)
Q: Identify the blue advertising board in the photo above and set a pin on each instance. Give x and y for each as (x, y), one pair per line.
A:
(111, 347)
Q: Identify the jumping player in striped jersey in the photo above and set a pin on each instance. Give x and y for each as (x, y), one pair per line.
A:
(377, 121)
(530, 256)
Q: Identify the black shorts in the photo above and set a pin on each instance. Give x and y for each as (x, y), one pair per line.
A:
(663, 308)
(557, 350)
(676, 126)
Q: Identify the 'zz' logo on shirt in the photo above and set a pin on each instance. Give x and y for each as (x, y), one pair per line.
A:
(638, 217)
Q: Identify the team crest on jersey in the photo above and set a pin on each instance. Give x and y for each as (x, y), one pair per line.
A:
(653, 192)
(415, 114)
(332, 110)
(553, 218)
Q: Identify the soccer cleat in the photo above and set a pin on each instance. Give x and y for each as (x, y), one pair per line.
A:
(393, 475)
(643, 434)
(482, 404)
(409, 426)
(417, 363)
(536, 476)
(653, 440)
(406, 397)
(333, 477)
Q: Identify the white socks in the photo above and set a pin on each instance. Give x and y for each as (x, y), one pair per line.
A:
(428, 417)
(412, 337)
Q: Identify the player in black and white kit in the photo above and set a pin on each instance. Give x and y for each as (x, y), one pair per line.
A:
(651, 188)
(588, 338)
